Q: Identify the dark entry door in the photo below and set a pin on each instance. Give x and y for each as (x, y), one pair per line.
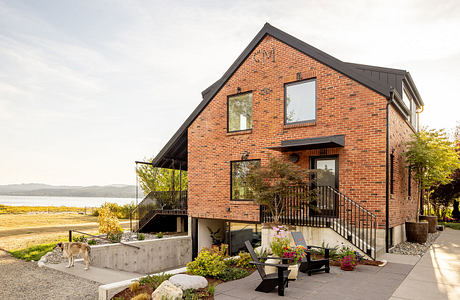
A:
(327, 175)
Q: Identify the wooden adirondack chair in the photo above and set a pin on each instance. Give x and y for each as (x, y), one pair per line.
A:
(308, 265)
(269, 281)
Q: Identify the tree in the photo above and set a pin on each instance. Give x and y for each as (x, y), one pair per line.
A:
(432, 158)
(268, 182)
(160, 179)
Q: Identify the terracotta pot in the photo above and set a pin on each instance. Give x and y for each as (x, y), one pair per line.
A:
(432, 222)
(346, 268)
(417, 232)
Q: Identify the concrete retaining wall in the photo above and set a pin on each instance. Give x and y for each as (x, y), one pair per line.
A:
(153, 256)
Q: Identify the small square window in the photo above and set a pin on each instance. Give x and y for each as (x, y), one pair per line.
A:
(239, 189)
(300, 101)
(240, 112)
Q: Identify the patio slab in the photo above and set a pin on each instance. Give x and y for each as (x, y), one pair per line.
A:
(367, 282)
(437, 274)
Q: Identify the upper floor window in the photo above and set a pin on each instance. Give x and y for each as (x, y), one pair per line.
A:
(409, 102)
(239, 188)
(406, 97)
(300, 101)
(239, 112)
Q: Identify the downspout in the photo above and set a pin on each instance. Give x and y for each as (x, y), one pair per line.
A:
(387, 185)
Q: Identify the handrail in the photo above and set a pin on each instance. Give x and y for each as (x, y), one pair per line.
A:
(325, 206)
(99, 237)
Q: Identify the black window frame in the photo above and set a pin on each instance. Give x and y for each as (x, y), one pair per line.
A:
(316, 100)
(228, 111)
(231, 177)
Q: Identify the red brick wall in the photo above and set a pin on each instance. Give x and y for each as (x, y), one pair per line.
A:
(402, 207)
(343, 107)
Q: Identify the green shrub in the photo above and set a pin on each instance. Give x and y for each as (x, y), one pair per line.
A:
(115, 237)
(92, 242)
(211, 289)
(80, 238)
(230, 273)
(243, 260)
(140, 237)
(160, 235)
(154, 280)
(210, 264)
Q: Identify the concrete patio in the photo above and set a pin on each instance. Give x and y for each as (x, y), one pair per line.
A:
(367, 282)
(434, 276)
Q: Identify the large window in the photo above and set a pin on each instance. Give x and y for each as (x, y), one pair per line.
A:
(239, 188)
(240, 112)
(406, 97)
(300, 101)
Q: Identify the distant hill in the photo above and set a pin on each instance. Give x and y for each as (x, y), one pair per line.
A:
(38, 189)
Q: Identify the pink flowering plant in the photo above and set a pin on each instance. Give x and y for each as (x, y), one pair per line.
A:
(279, 240)
(349, 260)
(294, 254)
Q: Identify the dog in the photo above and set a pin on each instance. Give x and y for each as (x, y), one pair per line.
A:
(70, 250)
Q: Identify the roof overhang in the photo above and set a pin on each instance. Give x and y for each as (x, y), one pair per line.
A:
(332, 141)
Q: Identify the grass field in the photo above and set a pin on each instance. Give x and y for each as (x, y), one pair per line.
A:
(6, 209)
(21, 231)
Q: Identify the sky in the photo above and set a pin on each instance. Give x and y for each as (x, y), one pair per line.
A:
(89, 87)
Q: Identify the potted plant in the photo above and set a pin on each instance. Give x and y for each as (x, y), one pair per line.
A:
(293, 256)
(279, 240)
(432, 158)
(349, 262)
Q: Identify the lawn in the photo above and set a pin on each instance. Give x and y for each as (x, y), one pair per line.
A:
(20, 231)
(453, 225)
(34, 252)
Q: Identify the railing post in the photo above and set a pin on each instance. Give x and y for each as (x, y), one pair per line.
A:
(70, 235)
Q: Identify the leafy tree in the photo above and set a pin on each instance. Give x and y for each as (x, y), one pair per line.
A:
(160, 179)
(269, 181)
(432, 158)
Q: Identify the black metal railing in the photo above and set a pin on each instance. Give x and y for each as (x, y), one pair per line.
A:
(325, 206)
(158, 202)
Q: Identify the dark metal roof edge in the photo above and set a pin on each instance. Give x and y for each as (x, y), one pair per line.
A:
(377, 68)
(412, 85)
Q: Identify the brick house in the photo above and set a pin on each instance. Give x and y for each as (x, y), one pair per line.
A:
(285, 98)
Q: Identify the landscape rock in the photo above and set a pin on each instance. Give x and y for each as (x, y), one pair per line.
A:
(167, 290)
(41, 264)
(186, 282)
(408, 248)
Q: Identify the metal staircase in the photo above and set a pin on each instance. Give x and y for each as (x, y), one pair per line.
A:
(325, 206)
(158, 203)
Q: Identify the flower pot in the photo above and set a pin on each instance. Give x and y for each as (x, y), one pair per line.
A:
(432, 222)
(346, 267)
(270, 269)
(294, 271)
(417, 232)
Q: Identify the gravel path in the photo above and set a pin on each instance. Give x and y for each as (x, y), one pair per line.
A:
(25, 280)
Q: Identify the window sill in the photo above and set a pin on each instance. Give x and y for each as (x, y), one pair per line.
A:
(305, 124)
(239, 132)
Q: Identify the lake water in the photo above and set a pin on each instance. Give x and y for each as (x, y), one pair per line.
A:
(61, 201)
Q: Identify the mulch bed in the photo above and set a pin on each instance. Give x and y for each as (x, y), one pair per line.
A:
(367, 262)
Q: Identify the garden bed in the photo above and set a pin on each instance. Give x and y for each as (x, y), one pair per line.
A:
(212, 264)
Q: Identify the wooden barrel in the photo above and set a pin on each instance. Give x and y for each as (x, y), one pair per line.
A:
(432, 222)
(417, 232)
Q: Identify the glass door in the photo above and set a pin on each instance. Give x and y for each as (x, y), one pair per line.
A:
(326, 175)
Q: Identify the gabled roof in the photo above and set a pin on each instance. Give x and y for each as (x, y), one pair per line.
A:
(365, 75)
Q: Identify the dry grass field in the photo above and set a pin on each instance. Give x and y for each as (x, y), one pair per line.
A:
(19, 231)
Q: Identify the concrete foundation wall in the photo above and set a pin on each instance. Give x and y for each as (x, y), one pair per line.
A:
(317, 236)
(153, 256)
